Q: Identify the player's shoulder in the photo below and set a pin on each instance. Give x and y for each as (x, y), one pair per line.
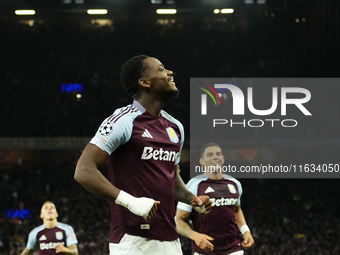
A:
(171, 118)
(195, 181)
(123, 116)
(37, 229)
(124, 113)
(64, 226)
(230, 178)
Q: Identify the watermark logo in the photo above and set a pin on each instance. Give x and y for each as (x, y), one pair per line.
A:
(279, 98)
(239, 100)
(204, 97)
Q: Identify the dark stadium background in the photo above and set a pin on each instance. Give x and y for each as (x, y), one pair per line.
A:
(62, 44)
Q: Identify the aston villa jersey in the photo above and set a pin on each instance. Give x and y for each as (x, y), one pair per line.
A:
(220, 223)
(45, 239)
(143, 153)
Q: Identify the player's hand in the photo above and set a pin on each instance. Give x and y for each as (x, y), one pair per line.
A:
(202, 241)
(207, 203)
(202, 204)
(153, 210)
(248, 240)
(61, 248)
(141, 206)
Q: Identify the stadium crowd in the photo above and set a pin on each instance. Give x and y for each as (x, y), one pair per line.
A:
(37, 59)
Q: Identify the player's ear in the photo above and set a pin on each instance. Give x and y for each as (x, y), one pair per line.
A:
(222, 160)
(201, 161)
(144, 82)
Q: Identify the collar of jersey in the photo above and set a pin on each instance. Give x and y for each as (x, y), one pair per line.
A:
(138, 106)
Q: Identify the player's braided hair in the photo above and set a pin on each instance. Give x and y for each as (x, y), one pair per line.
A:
(209, 145)
(131, 72)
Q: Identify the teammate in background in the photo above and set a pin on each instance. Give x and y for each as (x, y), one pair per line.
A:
(218, 232)
(52, 237)
(143, 144)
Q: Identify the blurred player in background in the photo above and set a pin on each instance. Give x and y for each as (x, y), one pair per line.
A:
(52, 237)
(217, 232)
(143, 144)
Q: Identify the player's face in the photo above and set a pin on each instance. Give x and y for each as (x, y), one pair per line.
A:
(160, 79)
(212, 156)
(48, 212)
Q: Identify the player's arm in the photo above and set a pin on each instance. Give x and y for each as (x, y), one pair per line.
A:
(88, 175)
(26, 251)
(183, 228)
(182, 194)
(248, 240)
(72, 249)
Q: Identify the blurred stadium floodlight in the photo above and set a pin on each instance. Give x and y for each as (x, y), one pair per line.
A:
(253, 2)
(24, 12)
(97, 11)
(74, 1)
(216, 11)
(166, 11)
(161, 1)
(227, 11)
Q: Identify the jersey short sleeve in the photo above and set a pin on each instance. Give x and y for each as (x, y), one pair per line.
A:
(32, 237)
(116, 129)
(31, 240)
